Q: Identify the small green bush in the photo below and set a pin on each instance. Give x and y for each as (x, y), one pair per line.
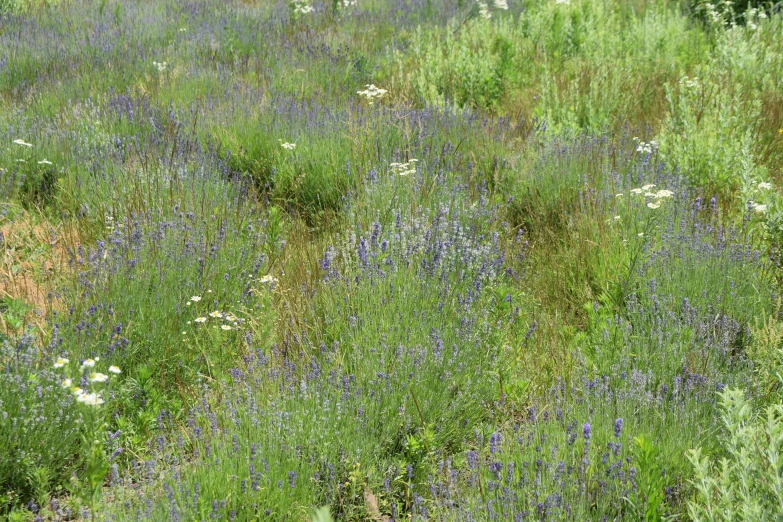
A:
(747, 483)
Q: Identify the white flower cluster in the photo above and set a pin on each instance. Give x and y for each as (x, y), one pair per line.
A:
(714, 13)
(764, 185)
(346, 3)
(689, 83)
(404, 169)
(657, 197)
(372, 93)
(752, 16)
(646, 147)
(302, 7)
(566, 2)
(83, 396)
(161, 66)
(23, 143)
(286, 145)
(501, 4)
(756, 207)
(483, 10)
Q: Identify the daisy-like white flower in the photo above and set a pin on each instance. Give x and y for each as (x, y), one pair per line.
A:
(89, 363)
(23, 143)
(60, 362)
(231, 318)
(652, 205)
(98, 377)
(215, 314)
(763, 185)
(77, 391)
(90, 399)
(115, 370)
(200, 319)
(196, 298)
(225, 327)
(67, 383)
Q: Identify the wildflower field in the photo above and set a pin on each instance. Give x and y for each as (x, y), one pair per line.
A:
(391, 260)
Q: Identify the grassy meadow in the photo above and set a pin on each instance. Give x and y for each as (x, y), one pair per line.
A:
(386, 260)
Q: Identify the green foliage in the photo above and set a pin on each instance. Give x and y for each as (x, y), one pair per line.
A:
(746, 483)
(35, 412)
(13, 312)
(647, 501)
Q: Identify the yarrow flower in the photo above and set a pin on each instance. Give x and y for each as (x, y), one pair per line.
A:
(302, 7)
(655, 205)
(161, 66)
(286, 145)
(372, 93)
(61, 361)
(484, 10)
(404, 169)
(501, 4)
(200, 319)
(23, 143)
(267, 279)
(646, 147)
(45, 162)
(763, 185)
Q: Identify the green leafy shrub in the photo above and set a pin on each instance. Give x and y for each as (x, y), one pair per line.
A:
(747, 483)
